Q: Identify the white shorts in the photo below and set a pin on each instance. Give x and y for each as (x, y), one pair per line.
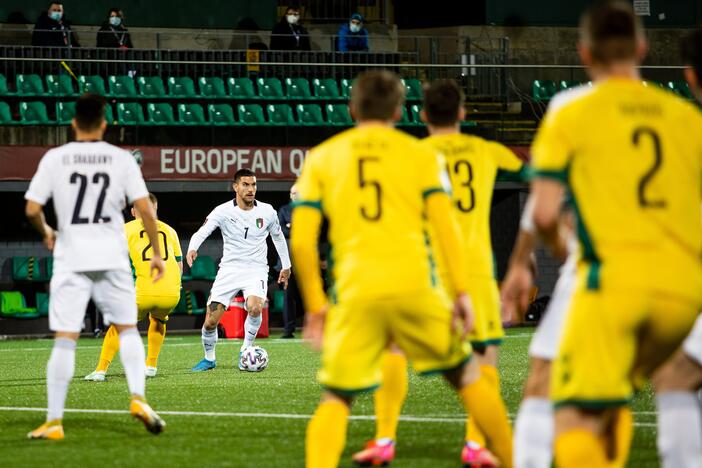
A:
(544, 344)
(112, 291)
(230, 281)
(692, 346)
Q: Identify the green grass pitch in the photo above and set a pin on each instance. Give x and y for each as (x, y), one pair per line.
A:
(229, 418)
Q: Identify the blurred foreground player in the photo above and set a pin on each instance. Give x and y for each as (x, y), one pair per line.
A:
(89, 181)
(375, 184)
(631, 156)
(155, 300)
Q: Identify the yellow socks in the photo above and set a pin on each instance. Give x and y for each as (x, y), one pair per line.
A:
(492, 377)
(155, 337)
(579, 448)
(326, 435)
(486, 408)
(391, 395)
(110, 346)
(622, 431)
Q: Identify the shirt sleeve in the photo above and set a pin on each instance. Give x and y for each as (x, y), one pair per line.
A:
(309, 186)
(211, 223)
(505, 157)
(552, 148)
(134, 185)
(433, 177)
(41, 186)
(281, 245)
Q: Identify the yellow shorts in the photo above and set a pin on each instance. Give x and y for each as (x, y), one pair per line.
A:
(358, 332)
(159, 307)
(613, 340)
(488, 320)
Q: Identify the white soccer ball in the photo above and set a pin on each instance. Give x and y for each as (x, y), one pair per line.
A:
(253, 359)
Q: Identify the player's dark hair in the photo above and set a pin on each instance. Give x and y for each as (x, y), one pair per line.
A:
(90, 112)
(610, 29)
(443, 100)
(243, 173)
(53, 3)
(691, 51)
(153, 198)
(376, 95)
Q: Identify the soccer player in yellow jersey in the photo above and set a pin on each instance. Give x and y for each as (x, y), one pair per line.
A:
(156, 300)
(631, 155)
(473, 166)
(376, 184)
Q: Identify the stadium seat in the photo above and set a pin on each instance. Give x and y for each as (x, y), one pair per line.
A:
(270, 88)
(6, 114)
(13, 304)
(241, 88)
(42, 302)
(338, 114)
(130, 113)
(280, 114)
(4, 91)
(160, 113)
(680, 88)
(65, 112)
(310, 114)
(27, 269)
(188, 304)
(181, 87)
(48, 268)
(415, 109)
(109, 116)
(29, 85)
(413, 89)
(191, 114)
(297, 88)
(204, 268)
(34, 113)
(60, 85)
(567, 84)
(251, 114)
(221, 114)
(543, 90)
(346, 86)
(122, 86)
(92, 84)
(212, 87)
(325, 88)
(151, 86)
(405, 119)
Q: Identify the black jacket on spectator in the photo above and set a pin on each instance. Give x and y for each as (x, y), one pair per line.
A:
(286, 36)
(50, 33)
(111, 37)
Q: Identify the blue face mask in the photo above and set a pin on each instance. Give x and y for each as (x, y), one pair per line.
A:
(115, 21)
(56, 15)
(354, 27)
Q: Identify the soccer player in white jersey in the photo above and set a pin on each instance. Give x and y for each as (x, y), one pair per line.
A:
(89, 181)
(245, 224)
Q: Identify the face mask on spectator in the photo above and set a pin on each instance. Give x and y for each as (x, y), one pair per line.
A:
(56, 15)
(354, 27)
(115, 21)
(292, 19)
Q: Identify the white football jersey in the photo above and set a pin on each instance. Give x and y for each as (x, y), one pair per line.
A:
(244, 233)
(88, 182)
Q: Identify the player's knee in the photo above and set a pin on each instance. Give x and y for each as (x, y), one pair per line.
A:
(254, 309)
(464, 375)
(332, 396)
(680, 373)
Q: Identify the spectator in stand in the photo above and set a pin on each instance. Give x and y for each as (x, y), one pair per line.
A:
(353, 36)
(289, 34)
(293, 300)
(113, 34)
(53, 29)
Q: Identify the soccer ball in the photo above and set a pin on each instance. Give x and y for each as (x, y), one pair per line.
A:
(253, 359)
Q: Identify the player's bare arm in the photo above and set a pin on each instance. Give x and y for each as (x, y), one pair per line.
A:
(548, 194)
(146, 210)
(519, 278)
(35, 214)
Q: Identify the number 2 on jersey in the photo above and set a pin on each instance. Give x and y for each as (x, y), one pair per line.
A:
(363, 182)
(148, 246)
(82, 179)
(639, 132)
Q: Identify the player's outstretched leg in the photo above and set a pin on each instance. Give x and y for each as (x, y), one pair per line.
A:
(326, 432)
(155, 338)
(533, 428)
(59, 372)
(215, 310)
(110, 346)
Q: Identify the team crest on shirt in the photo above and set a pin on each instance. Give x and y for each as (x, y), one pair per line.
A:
(259, 223)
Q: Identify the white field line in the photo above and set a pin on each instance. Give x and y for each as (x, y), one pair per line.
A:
(405, 418)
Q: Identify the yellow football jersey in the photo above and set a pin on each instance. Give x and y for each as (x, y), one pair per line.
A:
(632, 156)
(473, 165)
(371, 182)
(140, 255)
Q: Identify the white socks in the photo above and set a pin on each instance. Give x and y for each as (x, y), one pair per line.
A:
(679, 429)
(251, 326)
(59, 372)
(131, 351)
(533, 434)
(209, 341)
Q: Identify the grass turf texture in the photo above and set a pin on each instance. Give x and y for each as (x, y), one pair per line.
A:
(287, 387)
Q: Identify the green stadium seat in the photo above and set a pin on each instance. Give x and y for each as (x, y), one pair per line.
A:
(181, 87)
(241, 88)
(567, 84)
(42, 301)
(310, 114)
(160, 113)
(251, 114)
(13, 304)
(221, 114)
(413, 89)
(325, 88)
(543, 90)
(188, 304)
(297, 88)
(405, 119)
(48, 267)
(130, 113)
(338, 114)
(29, 85)
(151, 86)
(65, 112)
(122, 86)
(4, 90)
(6, 114)
(212, 87)
(191, 114)
(680, 88)
(27, 269)
(34, 113)
(346, 86)
(92, 84)
(270, 88)
(415, 109)
(60, 85)
(204, 268)
(109, 116)
(280, 114)
(278, 302)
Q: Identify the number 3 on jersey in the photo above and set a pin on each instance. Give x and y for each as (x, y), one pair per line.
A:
(462, 166)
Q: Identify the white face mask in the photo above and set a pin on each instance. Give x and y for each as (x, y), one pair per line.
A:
(292, 19)
(56, 15)
(115, 21)
(354, 27)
